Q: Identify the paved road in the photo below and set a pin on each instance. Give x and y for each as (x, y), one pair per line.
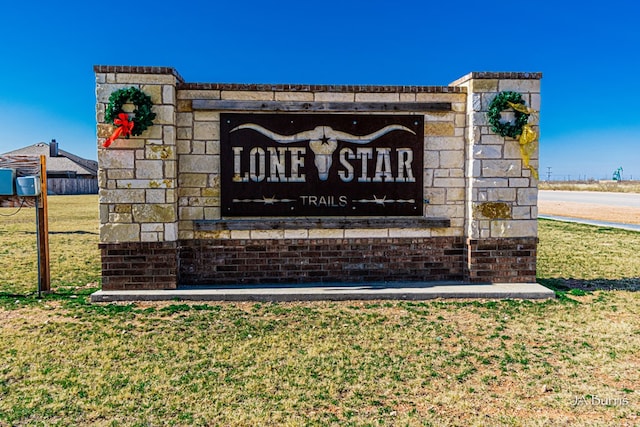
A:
(593, 197)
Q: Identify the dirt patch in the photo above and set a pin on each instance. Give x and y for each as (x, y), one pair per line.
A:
(626, 215)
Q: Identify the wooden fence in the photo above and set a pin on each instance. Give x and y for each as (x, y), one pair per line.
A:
(72, 186)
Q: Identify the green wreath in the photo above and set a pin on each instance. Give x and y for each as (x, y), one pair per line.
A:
(501, 103)
(143, 116)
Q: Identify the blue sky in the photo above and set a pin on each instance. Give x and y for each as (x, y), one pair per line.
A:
(587, 52)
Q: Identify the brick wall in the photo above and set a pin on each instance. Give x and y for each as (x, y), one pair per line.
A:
(139, 265)
(230, 261)
(501, 260)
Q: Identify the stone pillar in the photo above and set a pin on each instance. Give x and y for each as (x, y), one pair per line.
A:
(501, 211)
(137, 184)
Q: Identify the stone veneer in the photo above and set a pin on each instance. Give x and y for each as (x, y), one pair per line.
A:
(156, 189)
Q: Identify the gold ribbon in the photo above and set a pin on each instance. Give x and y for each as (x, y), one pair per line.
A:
(527, 138)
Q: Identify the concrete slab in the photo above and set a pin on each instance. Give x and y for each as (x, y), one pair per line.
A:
(335, 292)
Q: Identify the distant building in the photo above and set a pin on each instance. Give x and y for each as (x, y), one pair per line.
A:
(66, 172)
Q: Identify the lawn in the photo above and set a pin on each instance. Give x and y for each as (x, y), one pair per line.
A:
(574, 360)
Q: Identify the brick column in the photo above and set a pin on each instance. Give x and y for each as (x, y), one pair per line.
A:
(137, 184)
(501, 211)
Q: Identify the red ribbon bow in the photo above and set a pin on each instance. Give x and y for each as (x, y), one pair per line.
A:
(124, 129)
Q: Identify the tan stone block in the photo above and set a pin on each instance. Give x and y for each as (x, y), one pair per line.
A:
(155, 196)
(198, 94)
(156, 227)
(169, 135)
(407, 97)
(154, 213)
(446, 232)
(204, 201)
(409, 232)
(487, 151)
(484, 85)
(184, 192)
(183, 146)
(206, 116)
(191, 212)
(443, 143)
(212, 147)
(170, 170)
(198, 147)
(154, 92)
(435, 196)
(267, 234)
(194, 180)
(103, 92)
(441, 97)
(333, 97)
(159, 152)
(127, 78)
(452, 159)
(501, 194)
(123, 218)
(120, 173)
(122, 196)
(184, 119)
(326, 234)
(522, 212)
(366, 233)
(165, 114)
(116, 233)
(215, 234)
(104, 214)
(242, 95)
(459, 107)
(170, 195)
(184, 105)
(169, 94)
(519, 182)
(202, 163)
(377, 97)
(206, 130)
(211, 192)
(212, 213)
(184, 133)
(296, 234)
(455, 194)
(121, 208)
(149, 237)
(149, 169)
(241, 234)
(521, 86)
(527, 196)
(294, 96)
(439, 128)
(116, 159)
(514, 228)
(501, 168)
(448, 182)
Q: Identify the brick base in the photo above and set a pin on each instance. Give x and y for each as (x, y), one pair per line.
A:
(212, 262)
(157, 265)
(139, 265)
(501, 260)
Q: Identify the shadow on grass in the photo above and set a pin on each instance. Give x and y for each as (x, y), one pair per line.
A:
(567, 285)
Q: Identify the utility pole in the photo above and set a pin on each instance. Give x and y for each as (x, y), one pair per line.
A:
(548, 173)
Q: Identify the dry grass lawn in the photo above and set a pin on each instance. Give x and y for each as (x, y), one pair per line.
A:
(574, 360)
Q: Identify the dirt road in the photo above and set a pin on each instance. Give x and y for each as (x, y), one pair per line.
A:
(612, 207)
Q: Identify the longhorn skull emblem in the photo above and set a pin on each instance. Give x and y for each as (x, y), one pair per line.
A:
(323, 141)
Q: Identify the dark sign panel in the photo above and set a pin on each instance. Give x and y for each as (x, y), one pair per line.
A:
(321, 164)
